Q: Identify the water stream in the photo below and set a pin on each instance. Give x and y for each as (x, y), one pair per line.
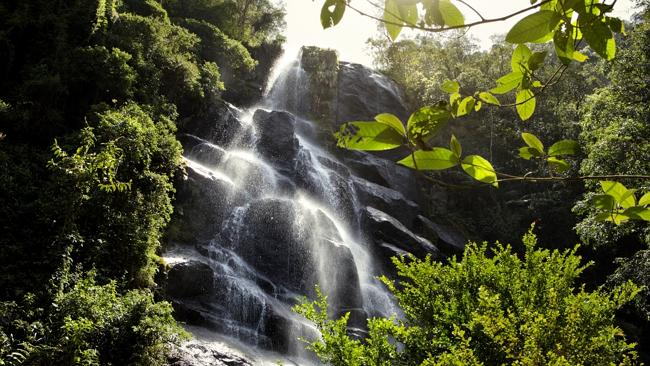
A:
(288, 223)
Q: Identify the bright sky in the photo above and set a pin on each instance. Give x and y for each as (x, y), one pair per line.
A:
(349, 37)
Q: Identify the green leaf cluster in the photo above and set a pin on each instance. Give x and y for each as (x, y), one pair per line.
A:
(535, 149)
(618, 204)
(490, 307)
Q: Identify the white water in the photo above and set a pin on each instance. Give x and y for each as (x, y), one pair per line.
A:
(318, 223)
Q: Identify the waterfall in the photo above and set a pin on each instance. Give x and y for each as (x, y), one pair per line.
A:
(278, 215)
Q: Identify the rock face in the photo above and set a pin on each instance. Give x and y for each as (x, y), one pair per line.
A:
(269, 209)
(364, 93)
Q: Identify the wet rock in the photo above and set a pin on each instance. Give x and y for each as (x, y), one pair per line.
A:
(387, 200)
(189, 279)
(202, 202)
(276, 138)
(446, 237)
(364, 93)
(390, 236)
(199, 353)
(219, 124)
(384, 172)
(206, 154)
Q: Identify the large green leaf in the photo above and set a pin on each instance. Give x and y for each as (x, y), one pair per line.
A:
(600, 39)
(528, 152)
(604, 202)
(392, 20)
(533, 27)
(455, 146)
(450, 86)
(519, 59)
(532, 141)
(615, 217)
(480, 169)
(564, 147)
(558, 165)
(368, 136)
(465, 106)
(409, 13)
(392, 121)
(332, 12)
(536, 60)
(427, 121)
(619, 192)
(508, 82)
(525, 103)
(645, 199)
(450, 14)
(489, 98)
(437, 158)
(638, 213)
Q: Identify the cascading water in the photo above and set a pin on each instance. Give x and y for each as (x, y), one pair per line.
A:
(280, 215)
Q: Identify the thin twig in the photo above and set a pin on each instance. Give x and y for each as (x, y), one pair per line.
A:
(444, 29)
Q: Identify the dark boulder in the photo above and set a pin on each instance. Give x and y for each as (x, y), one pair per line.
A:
(447, 238)
(276, 138)
(202, 202)
(363, 93)
(384, 172)
(220, 124)
(390, 236)
(190, 279)
(387, 200)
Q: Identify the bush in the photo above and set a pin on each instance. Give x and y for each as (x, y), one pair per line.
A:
(88, 324)
(490, 308)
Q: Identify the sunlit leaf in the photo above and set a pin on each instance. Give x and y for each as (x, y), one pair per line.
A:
(558, 165)
(450, 86)
(392, 121)
(533, 27)
(532, 141)
(519, 59)
(368, 136)
(436, 159)
(465, 106)
(427, 121)
(638, 213)
(528, 152)
(564, 147)
(600, 39)
(616, 218)
(618, 191)
(645, 199)
(480, 169)
(332, 12)
(392, 20)
(525, 103)
(508, 82)
(409, 13)
(489, 98)
(455, 146)
(450, 14)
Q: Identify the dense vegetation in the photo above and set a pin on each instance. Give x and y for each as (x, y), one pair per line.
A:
(489, 308)
(600, 105)
(91, 96)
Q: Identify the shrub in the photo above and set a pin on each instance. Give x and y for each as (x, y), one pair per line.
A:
(490, 308)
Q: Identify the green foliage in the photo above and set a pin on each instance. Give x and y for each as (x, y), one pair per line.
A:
(124, 160)
(616, 138)
(490, 307)
(85, 325)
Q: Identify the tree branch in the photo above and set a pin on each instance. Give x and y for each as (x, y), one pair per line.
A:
(444, 29)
